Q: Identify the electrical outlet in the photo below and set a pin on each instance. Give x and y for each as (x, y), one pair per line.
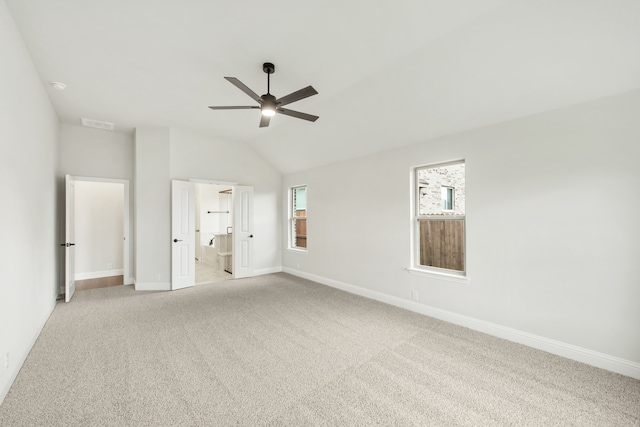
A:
(298, 265)
(158, 277)
(6, 362)
(415, 296)
(109, 266)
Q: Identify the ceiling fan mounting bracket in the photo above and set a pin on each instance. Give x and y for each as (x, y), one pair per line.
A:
(268, 68)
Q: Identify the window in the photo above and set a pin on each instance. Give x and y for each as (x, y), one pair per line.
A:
(440, 218)
(298, 218)
(447, 198)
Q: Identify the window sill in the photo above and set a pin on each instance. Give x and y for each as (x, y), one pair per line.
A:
(462, 280)
(298, 250)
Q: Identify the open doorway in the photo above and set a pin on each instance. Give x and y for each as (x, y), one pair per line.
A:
(96, 243)
(214, 218)
(231, 246)
(99, 230)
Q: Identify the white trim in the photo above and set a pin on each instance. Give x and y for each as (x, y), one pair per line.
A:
(443, 217)
(462, 280)
(438, 164)
(96, 179)
(130, 281)
(570, 351)
(20, 359)
(269, 270)
(98, 274)
(298, 250)
(212, 182)
(414, 187)
(153, 286)
(291, 217)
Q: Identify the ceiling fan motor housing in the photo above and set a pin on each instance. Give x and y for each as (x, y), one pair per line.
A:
(267, 98)
(269, 104)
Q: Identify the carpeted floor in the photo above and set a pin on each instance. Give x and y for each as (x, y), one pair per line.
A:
(277, 350)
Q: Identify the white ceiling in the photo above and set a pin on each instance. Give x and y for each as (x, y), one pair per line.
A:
(388, 73)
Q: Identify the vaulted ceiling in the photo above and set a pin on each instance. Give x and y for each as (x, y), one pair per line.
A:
(388, 73)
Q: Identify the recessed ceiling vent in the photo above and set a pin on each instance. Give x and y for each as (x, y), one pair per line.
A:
(90, 123)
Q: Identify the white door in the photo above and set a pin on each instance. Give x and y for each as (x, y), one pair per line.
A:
(69, 239)
(242, 231)
(183, 235)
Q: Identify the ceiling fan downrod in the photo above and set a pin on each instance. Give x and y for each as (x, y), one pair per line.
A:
(268, 68)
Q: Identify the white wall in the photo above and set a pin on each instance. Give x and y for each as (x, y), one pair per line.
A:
(97, 153)
(544, 256)
(99, 229)
(28, 169)
(164, 154)
(152, 209)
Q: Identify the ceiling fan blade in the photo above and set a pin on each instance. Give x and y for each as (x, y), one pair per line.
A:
(297, 114)
(242, 107)
(237, 83)
(264, 121)
(297, 95)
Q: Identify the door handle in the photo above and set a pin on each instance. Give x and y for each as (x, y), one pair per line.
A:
(176, 240)
(67, 244)
(251, 235)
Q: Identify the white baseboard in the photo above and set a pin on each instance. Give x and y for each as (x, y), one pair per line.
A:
(130, 281)
(98, 274)
(590, 357)
(161, 286)
(153, 286)
(18, 360)
(270, 270)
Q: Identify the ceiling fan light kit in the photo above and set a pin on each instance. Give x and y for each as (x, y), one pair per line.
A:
(269, 105)
(268, 111)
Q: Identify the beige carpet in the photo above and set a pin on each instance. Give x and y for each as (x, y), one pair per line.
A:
(281, 351)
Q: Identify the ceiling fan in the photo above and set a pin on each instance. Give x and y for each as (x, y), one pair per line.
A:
(269, 105)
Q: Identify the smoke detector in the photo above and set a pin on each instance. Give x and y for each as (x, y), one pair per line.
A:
(58, 85)
(91, 123)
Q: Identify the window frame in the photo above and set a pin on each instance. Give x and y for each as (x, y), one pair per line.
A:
(292, 217)
(457, 276)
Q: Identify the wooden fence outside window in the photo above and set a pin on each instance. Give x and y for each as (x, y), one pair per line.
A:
(442, 243)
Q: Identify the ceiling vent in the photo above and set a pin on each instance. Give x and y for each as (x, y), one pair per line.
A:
(90, 123)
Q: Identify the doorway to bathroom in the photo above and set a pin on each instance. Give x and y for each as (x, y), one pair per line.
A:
(231, 246)
(214, 230)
